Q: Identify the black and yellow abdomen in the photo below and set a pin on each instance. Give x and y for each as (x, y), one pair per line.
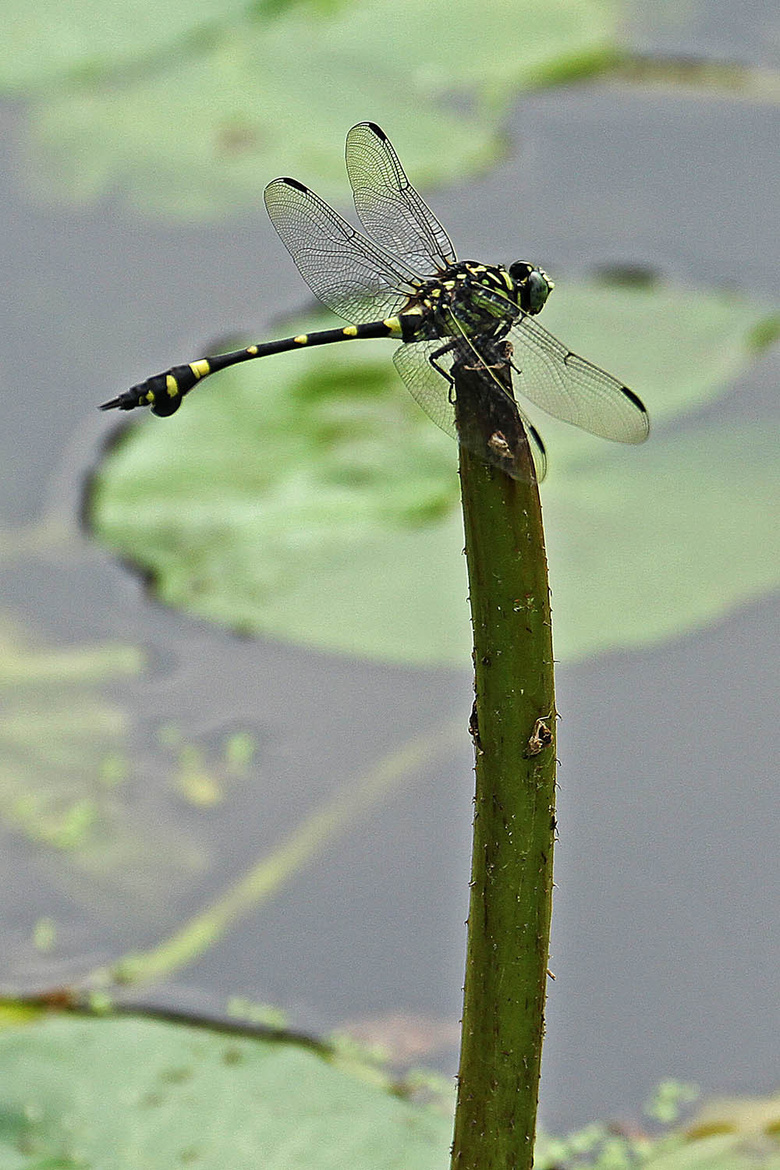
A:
(163, 393)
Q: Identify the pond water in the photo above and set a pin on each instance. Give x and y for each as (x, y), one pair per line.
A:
(665, 946)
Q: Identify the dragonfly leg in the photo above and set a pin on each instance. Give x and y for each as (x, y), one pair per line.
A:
(440, 369)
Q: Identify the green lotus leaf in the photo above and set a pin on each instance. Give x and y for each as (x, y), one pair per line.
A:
(307, 497)
(203, 128)
(50, 41)
(130, 1093)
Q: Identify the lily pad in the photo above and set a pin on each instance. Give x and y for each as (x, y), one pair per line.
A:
(131, 1093)
(51, 41)
(205, 127)
(640, 554)
(306, 497)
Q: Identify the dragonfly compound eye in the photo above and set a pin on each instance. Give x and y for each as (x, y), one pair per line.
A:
(539, 288)
(534, 286)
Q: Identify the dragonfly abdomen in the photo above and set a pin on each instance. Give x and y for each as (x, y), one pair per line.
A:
(164, 392)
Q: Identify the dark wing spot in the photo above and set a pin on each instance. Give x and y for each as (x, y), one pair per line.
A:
(294, 183)
(537, 438)
(631, 396)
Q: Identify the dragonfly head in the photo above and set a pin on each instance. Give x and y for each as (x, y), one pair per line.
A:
(533, 286)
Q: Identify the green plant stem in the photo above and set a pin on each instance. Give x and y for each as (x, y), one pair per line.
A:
(514, 823)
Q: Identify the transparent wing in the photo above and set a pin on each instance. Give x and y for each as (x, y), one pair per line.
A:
(570, 388)
(431, 390)
(352, 275)
(427, 386)
(390, 209)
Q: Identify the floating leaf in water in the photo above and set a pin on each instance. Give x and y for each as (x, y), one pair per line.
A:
(203, 124)
(308, 498)
(127, 1093)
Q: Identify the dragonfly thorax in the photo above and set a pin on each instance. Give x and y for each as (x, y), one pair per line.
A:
(466, 297)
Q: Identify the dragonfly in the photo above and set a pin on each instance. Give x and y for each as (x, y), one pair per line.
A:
(401, 279)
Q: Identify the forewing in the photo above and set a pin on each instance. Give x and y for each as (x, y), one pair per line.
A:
(352, 275)
(571, 388)
(390, 209)
(431, 391)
